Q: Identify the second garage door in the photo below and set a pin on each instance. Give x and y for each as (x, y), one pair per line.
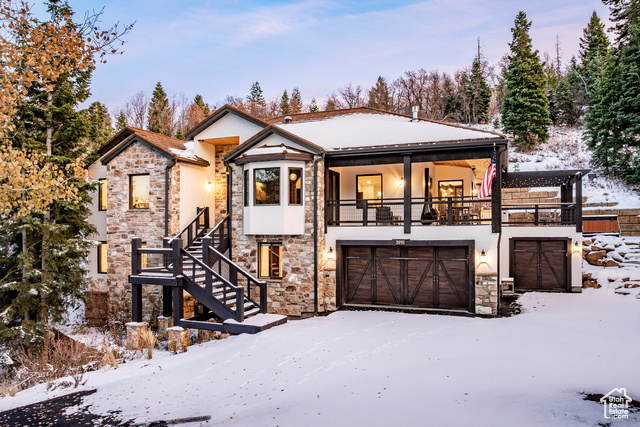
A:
(418, 276)
(540, 265)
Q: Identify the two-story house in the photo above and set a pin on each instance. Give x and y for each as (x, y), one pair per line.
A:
(311, 212)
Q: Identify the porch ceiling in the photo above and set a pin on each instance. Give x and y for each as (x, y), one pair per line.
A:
(480, 165)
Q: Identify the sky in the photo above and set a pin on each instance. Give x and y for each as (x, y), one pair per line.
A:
(219, 48)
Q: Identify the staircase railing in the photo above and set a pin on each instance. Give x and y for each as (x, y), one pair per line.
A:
(227, 287)
(221, 233)
(217, 261)
(195, 228)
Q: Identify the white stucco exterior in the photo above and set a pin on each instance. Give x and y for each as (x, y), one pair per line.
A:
(228, 126)
(98, 219)
(282, 219)
(195, 192)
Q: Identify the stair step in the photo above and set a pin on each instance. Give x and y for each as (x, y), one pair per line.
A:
(254, 310)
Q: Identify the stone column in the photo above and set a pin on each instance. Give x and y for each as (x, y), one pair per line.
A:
(178, 339)
(135, 335)
(487, 294)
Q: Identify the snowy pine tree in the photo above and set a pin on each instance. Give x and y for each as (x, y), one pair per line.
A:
(525, 111)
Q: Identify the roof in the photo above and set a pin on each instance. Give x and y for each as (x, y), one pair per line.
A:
(218, 114)
(370, 128)
(170, 147)
(310, 147)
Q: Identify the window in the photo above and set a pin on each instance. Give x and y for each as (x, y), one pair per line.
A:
(102, 194)
(270, 260)
(369, 187)
(139, 191)
(246, 188)
(143, 257)
(450, 188)
(295, 186)
(102, 257)
(266, 186)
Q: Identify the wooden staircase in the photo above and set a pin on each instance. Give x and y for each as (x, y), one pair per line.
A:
(194, 262)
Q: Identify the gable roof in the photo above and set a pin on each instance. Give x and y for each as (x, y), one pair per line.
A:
(368, 128)
(267, 132)
(170, 147)
(325, 114)
(220, 113)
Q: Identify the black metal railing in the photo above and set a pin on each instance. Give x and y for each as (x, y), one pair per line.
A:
(195, 228)
(423, 210)
(191, 278)
(539, 214)
(220, 234)
(226, 268)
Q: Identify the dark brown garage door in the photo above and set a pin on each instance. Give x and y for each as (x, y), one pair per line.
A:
(539, 265)
(419, 276)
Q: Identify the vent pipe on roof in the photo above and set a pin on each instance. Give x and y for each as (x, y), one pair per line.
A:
(414, 113)
(288, 119)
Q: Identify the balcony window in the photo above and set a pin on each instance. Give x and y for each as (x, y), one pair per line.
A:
(270, 261)
(369, 187)
(295, 186)
(450, 189)
(266, 186)
(102, 257)
(102, 194)
(139, 191)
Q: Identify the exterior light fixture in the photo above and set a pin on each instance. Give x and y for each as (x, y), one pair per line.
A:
(401, 182)
(483, 257)
(331, 260)
(331, 254)
(210, 185)
(576, 247)
(293, 176)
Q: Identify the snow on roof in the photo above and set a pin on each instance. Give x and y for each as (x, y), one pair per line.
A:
(360, 130)
(272, 149)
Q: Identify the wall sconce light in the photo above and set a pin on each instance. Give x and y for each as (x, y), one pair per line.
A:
(293, 176)
(210, 185)
(483, 257)
(331, 254)
(401, 182)
(576, 247)
(331, 260)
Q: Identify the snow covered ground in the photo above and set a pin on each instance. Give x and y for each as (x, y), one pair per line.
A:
(389, 369)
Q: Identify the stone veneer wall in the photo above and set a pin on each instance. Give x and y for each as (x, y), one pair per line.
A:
(487, 294)
(123, 224)
(293, 294)
(220, 185)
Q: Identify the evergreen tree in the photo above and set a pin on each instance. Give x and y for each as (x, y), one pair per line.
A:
(121, 121)
(203, 107)
(330, 105)
(256, 103)
(480, 96)
(100, 129)
(602, 132)
(285, 107)
(179, 134)
(525, 111)
(157, 107)
(379, 95)
(613, 118)
(296, 101)
(48, 275)
(313, 107)
(593, 44)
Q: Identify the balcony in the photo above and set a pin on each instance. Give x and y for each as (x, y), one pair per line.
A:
(433, 211)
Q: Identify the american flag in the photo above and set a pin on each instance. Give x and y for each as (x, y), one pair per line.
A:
(485, 188)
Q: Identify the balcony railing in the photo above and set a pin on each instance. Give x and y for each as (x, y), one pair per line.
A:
(539, 214)
(424, 211)
(445, 211)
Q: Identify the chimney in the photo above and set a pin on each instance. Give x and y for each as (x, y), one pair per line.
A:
(288, 119)
(414, 113)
